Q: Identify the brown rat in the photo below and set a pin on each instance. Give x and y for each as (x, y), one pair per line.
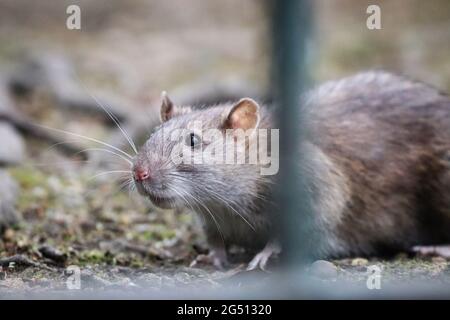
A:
(375, 155)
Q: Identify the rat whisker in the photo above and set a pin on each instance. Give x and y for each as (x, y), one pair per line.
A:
(182, 197)
(124, 184)
(108, 151)
(86, 138)
(128, 183)
(211, 215)
(55, 163)
(58, 144)
(111, 115)
(108, 172)
(218, 197)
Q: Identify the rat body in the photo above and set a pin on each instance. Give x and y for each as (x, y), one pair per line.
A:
(375, 156)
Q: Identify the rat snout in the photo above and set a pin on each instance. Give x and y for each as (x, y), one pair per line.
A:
(141, 173)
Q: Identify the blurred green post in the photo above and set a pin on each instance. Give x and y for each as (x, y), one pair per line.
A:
(291, 26)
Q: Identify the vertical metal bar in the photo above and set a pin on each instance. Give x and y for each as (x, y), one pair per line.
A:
(291, 29)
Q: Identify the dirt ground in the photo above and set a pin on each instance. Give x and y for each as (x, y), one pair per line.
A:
(75, 215)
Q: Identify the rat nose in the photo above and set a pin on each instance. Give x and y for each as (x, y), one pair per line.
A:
(141, 174)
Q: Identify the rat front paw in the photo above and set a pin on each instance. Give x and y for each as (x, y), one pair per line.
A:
(215, 257)
(260, 261)
(441, 250)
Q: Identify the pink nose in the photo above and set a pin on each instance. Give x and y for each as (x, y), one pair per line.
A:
(141, 174)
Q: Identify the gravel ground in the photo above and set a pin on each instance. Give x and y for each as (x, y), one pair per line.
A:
(118, 243)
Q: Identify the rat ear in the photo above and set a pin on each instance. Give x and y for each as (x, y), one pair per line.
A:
(169, 110)
(167, 107)
(243, 115)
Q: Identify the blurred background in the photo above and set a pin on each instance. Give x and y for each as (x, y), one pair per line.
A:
(59, 206)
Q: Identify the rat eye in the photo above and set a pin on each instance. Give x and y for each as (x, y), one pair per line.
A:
(193, 140)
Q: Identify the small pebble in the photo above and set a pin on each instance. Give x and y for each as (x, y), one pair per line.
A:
(39, 192)
(168, 282)
(150, 280)
(401, 256)
(439, 260)
(323, 269)
(53, 254)
(9, 235)
(359, 262)
(54, 184)
(182, 277)
(12, 148)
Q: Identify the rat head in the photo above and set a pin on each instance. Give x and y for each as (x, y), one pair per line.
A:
(187, 161)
